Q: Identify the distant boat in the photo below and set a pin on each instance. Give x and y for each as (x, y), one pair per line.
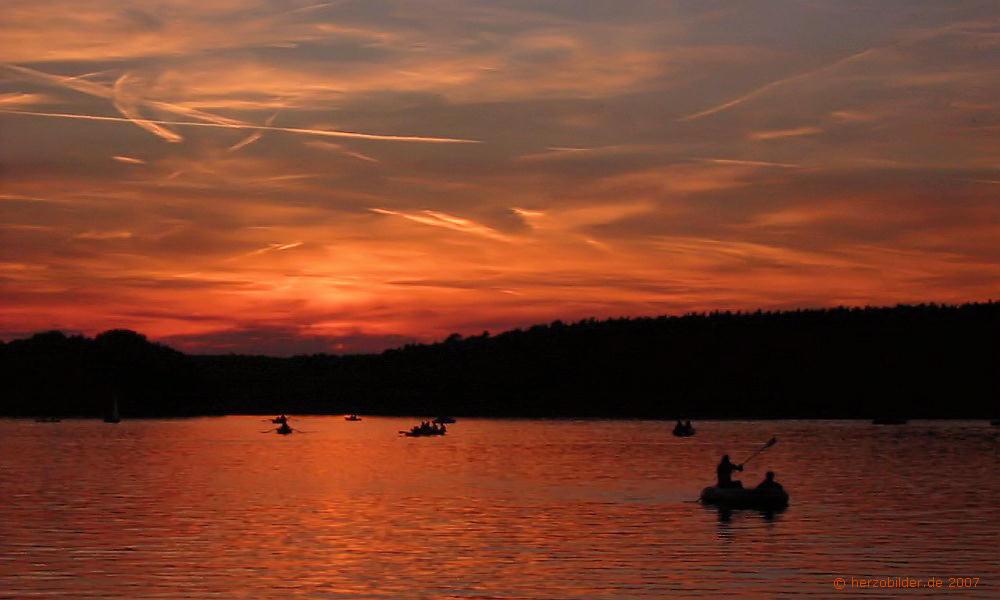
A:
(113, 417)
(352, 418)
(444, 420)
(889, 421)
(683, 429)
(421, 433)
(425, 430)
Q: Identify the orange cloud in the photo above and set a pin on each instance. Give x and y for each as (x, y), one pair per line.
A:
(464, 166)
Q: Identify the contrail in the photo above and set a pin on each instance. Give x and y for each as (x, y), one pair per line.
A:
(748, 163)
(127, 106)
(297, 130)
(253, 137)
(211, 120)
(439, 219)
(774, 84)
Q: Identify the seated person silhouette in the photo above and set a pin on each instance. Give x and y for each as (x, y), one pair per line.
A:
(769, 483)
(724, 473)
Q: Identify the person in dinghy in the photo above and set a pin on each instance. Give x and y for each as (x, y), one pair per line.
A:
(769, 484)
(724, 474)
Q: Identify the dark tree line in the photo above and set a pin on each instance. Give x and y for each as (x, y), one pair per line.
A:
(914, 361)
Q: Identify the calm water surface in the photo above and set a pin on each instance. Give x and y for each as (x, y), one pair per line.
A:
(212, 508)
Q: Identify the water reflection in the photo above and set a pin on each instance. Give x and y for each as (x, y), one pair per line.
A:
(725, 515)
(504, 509)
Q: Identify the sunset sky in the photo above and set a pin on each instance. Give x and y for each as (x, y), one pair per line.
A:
(286, 176)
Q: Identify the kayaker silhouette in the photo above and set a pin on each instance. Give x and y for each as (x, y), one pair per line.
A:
(769, 483)
(724, 473)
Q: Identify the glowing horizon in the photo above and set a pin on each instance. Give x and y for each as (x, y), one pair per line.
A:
(291, 176)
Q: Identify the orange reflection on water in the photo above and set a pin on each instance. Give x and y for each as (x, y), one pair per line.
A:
(519, 509)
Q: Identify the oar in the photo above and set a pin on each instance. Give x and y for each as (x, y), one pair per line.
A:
(769, 443)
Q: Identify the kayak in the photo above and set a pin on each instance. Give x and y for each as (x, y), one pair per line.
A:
(684, 432)
(744, 498)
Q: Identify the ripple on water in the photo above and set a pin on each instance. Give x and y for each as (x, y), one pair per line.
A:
(497, 509)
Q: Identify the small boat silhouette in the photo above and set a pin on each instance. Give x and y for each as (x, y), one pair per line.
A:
(425, 429)
(738, 497)
(683, 429)
(421, 433)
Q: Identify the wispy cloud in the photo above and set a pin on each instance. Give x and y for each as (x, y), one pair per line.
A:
(563, 153)
(440, 219)
(250, 139)
(664, 158)
(748, 163)
(770, 87)
(104, 235)
(777, 134)
(294, 130)
(24, 99)
(127, 105)
(127, 108)
(341, 150)
(274, 248)
(125, 100)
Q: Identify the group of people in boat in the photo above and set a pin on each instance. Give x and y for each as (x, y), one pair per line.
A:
(282, 422)
(724, 477)
(428, 428)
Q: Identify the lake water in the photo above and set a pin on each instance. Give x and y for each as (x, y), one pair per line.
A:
(212, 508)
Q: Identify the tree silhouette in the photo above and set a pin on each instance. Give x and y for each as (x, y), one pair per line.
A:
(911, 360)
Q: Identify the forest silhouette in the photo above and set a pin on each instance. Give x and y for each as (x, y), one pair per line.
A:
(917, 361)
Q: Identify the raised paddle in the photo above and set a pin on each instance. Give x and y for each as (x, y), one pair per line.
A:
(769, 443)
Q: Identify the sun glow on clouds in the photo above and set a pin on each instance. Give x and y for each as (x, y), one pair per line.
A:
(270, 176)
